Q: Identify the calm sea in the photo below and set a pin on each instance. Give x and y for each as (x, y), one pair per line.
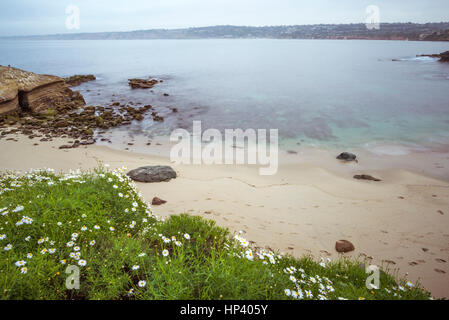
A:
(316, 92)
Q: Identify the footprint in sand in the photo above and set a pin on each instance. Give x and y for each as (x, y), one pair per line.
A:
(207, 212)
(440, 212)
(325, 252)
(439, 271)
(389, 261)
(421, 261)
(440, 260)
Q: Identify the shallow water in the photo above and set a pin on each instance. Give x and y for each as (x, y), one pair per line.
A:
(328, 93)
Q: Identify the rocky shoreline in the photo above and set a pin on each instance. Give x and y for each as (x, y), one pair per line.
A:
(43, 106)
(444, 56)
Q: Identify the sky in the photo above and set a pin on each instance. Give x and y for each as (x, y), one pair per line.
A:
(33, 17)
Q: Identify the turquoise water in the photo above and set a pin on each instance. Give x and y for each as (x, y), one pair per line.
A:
(316, 92)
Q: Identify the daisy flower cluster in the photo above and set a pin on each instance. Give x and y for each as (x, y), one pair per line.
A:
(308, 286)
(40, 229)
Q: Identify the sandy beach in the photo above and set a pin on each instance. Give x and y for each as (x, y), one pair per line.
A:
(400, 223)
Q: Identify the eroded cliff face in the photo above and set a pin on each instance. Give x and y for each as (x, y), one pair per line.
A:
(27, 91)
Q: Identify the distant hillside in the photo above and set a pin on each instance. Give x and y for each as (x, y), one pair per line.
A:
(438, 36)
(387, 31)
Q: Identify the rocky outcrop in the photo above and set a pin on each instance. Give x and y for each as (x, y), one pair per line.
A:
(78, 79)
(444, 56)
(27, 91)
(152, 174)
(9, 99)
(142, 83)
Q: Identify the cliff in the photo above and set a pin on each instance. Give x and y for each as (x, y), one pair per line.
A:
(27, 91)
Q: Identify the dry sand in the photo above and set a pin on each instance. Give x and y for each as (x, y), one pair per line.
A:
(303, 209)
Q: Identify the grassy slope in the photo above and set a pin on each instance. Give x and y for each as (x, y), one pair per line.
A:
(42, 213)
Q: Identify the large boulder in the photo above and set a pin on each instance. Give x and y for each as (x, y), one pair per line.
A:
(152, 174)
(157, 201)
(344, 246)
(346, 156)
(23, 90)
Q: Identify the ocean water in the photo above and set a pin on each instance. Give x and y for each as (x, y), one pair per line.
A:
(323, 93)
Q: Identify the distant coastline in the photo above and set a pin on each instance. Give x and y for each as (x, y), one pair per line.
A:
(388, 31)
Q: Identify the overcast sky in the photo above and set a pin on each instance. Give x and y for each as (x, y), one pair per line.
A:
(26, 17)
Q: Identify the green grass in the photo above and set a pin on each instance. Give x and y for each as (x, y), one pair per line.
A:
(184, 257)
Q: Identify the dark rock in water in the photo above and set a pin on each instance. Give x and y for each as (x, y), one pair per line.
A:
(157, 201)
(365, 177)
(444, 57)
(152, 174)
(66, 146)
(78, 79)
(347, 156)
(142, 83)
(344, 246)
